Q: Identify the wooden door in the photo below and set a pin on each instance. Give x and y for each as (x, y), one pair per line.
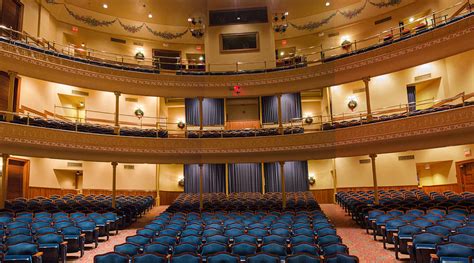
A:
(18, 178)
(465, 172)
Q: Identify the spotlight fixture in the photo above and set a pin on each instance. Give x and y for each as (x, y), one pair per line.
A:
(105, 6)
(328, 3)
(196, 27)
(280, 22)
(411, 19)
(150, 15)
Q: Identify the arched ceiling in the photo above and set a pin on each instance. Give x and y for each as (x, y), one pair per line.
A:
(176, 12)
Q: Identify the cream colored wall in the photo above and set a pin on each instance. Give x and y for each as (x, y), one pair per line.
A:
(265, 53)
(311, 108)
(170, 174)
(50, 173)
(390, 89)
(42, 95)
(321, 171)
(390, 170)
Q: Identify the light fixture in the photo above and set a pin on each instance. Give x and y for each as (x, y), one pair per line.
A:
(105, 6)
(328, 3)
(81, 104)
(280, 24)
(238, 18)
(411, 19)
(282, 53)
(196, 27)
(150, 15)
(83, 44)
(201, 58)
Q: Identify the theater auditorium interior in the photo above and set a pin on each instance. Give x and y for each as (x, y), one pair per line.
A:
(228, 131)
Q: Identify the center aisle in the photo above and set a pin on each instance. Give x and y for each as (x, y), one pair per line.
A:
(359, 242)
(108, 246)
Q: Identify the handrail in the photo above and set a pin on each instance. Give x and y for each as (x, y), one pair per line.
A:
(316, 123)
(304, 56)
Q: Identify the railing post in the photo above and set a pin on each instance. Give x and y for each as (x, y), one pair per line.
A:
(28, 119)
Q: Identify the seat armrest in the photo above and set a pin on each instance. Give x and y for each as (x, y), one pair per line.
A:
(395, 234)
(64, 243)
(434, 258)
(38, 254)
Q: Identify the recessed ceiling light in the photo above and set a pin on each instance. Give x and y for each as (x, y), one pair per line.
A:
(328, 3)
(238, 18)
(411, 19)
(105, 6)
(150, 15)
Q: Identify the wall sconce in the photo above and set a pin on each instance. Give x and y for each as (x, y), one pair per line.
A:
(311, 180)
(346, 42)
(352, 102)
(139, 54)
(181, 182)
(181, 125)
(139, 112)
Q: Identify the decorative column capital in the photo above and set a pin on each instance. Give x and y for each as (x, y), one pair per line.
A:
(372, 156)
(201, 165)
(12, 73)
(5, 156)
(282, 163)
(114, 164)
(117, 93)
(366, 80)
(200, 98)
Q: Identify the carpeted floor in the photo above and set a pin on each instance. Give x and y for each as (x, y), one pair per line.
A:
(359, 242)
(108, 246)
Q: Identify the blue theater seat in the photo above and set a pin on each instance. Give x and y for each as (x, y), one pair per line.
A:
(453, 252)
(186, 258)
(149, 258)
(111, 257)
(223, 257)
(22, 252)
(303, 258)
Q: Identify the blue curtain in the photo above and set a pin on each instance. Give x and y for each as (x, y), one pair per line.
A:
(411, 92)
(290, 108)
(296, 177)
(213, 178)
(245, 177)
(213, 111)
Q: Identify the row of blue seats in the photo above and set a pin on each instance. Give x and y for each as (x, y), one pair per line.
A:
(244, 202)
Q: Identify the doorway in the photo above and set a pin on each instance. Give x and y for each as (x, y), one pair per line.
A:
(18, 178)
(465, 175)
(167, 59)
(423, 94)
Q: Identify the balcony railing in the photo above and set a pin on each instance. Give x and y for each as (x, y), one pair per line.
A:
(153, 127)
(308, 56)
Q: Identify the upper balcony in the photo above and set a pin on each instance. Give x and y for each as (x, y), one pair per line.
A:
(434, 37)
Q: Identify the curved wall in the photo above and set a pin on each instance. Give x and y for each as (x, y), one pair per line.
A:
(439, 43)
(451, 127)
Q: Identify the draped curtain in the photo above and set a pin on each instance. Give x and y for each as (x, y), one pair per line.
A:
(296, 177)
(213, 178)
(213, 111)
(245, 177)
(290, 108)
(411, 92)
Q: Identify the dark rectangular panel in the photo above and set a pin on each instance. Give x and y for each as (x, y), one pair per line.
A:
(239, 42)
(238, 16)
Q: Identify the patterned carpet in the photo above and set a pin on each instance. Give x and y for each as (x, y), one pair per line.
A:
(360, 244)
(108, 246)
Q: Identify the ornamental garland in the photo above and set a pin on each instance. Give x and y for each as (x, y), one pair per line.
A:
(165, 34)
(314, 25)
(90, 20)
(386, 4)
(349, 14)
(131, 28)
